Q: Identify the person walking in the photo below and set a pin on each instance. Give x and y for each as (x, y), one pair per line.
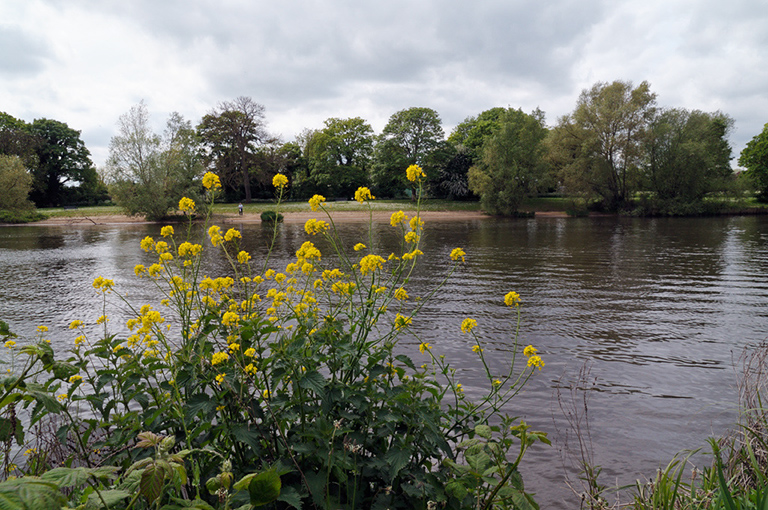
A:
(240, 209)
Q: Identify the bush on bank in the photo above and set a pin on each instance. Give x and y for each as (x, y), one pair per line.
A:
(264, 388)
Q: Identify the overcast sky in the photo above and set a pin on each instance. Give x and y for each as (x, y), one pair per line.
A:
(86, 62)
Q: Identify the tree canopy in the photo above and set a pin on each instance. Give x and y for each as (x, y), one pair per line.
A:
(413, 136)
(754, 158)
(339, 156)
(512, 164)
(599, 147)
(232, 133)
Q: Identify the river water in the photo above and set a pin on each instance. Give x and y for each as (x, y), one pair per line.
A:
(659, 309)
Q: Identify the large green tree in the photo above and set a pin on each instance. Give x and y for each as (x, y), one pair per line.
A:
(16, 140)
(413, 136)
(339, 156)
(62, 161)
(232, 134)
(598, 149)
(148, 173)
(754, 158)
(15, 183)
(473, 131)
(688, 154)
(512, 164)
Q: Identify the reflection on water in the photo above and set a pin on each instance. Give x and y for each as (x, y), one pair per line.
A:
(660, 307)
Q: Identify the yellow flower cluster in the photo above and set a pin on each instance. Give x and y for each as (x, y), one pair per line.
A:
(401, 294)
(359, 247)
(512, 299)
(362, 194)
(457, 253)
(211, 181)
(534, 360)
(315, 202)
(279, 181)
(187, 205)
(187, 249)
(166, 231)
(103, 284)
(219, 357)
(214, 233)
(314, 226)
(232, 234)
(414, 173)
(398, 218)
(371, 263)
(243, 257)
(468, 325)
(424, 347)
(401, 321)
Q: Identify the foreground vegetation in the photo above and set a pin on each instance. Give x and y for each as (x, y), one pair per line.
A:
(279, 388)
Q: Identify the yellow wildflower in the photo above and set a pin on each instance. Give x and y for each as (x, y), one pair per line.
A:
(103, 284)
(314, 226)
(214, 232)
(166, 231)
(75, 379)
(315, 202)
(412, 255)
(102, 319)
(211, 181)
(371, 263)
(477, 348)
(398, 218)
(250, 352)
(75, 324)
(512, 299)
(468, 325)
(187, 205)
(401, 294)
(457, 254)
(424, 346)
(402, 321)
(414, 173)
(250, 369)
(411, 237)
(362, 194)
(243, 257)
(530, 351)
(147, 243)
(231, 234)
(359, 246)
(219, 357)
(279, 181)
(535, 361)
(220, 378)
(10, 344)
(42, 329)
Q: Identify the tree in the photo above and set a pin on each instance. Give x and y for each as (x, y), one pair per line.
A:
(599, 147)
(754, 158)
(339, 156)
(16, 140)
(16, 183)
(688, 154)
(150, 174)
(232, 133)
(62, 160)
(473, 131)
(413, 136)
(512, 165)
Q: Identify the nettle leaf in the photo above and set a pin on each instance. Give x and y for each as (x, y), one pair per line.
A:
(291, 496)
(313, 381)
(397, 459)
(29, 492)
(264, 488)
(111, 498)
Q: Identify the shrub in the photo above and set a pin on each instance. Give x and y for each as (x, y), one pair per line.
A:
(271, 216)
(272, 388)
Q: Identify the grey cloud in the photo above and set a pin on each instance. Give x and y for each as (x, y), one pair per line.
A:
(21, 53)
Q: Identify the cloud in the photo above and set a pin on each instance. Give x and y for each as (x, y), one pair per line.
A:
(86, 62)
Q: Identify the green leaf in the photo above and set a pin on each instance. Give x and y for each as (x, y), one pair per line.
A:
(248, 434)
(405, 360)
(483, 431)
(397, 459)
(111, 498)
(71, 477)
(314, 381)
(29, 493)
(291, 496)
(6, 429)
(264, 488)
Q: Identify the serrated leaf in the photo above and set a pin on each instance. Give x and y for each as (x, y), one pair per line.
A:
(110, 497)
(291, 496)
(314, 381)
(397, 459)
(151, 484)
(264, 488)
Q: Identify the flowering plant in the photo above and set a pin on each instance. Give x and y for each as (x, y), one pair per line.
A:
(287, 386)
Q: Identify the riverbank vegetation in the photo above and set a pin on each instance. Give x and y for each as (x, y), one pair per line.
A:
(616, 152)
(266, 387)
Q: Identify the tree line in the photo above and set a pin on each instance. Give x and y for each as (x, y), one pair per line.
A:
(616, 151)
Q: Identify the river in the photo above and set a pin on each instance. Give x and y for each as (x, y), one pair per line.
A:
(659, 309)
